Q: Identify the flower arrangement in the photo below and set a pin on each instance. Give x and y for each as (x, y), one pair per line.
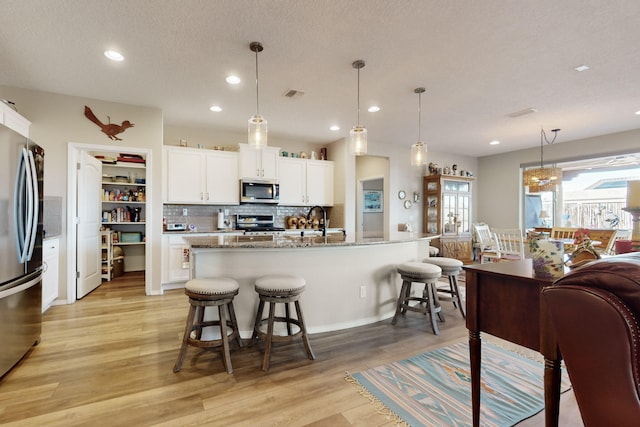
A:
(584, 251)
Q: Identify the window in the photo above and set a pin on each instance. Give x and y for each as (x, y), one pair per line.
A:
(592, 195)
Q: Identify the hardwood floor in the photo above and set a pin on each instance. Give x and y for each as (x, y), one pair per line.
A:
(108, 360)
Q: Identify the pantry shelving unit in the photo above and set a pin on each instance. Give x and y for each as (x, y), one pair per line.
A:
(124, 210)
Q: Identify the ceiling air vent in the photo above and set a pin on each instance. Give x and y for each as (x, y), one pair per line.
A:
(522, 112)
(292, 93)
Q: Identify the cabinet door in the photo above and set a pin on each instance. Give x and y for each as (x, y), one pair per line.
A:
(222, 179)
(249, 162)
(269, 162)
(51, 256)
(185, 176)
(292, 179)
(319, 183)
(175, 259)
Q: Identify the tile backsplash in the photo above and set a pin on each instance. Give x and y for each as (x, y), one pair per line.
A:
(205, 218)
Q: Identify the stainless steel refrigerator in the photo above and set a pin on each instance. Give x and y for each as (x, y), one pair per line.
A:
(21, 234)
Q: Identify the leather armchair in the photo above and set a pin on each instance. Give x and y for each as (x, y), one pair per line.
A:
(595, 310)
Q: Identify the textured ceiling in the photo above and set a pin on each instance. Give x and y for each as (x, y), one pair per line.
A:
(479, 60)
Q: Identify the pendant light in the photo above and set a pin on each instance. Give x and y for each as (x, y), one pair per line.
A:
(358, 135)
(419, 149)
(543, 179)
(257, 124)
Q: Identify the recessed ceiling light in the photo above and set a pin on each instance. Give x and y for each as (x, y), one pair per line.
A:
(215, 108)
(113, 55)
(334, 127)
(233, 80)
(374, 109)
(581, 68)
(638, 112)
(494, 142)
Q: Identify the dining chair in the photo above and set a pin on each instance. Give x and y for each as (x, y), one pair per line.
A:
(619, 235)
(486, 243)
(510, 243)
(563, 232)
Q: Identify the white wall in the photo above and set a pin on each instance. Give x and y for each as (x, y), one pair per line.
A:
(499, 191)
(58, 120)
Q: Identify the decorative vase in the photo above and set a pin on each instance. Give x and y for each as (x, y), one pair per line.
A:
(548, 258)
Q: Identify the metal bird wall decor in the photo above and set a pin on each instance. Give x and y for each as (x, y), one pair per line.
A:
(109, 129)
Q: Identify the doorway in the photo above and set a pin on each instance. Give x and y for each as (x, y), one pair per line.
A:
(75, 233)
(372, 177)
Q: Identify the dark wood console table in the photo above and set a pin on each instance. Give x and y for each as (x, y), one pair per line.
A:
(503, 299)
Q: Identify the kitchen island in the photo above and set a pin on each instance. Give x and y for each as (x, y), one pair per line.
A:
(351, 281)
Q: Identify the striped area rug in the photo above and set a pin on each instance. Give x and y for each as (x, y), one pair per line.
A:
(434, 388)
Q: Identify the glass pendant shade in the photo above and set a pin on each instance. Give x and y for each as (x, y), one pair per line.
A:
(257, 132)
(418, 154)
(419, 149)
(358, 135)
(358, 140)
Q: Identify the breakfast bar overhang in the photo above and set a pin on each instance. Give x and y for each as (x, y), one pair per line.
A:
(349, 281)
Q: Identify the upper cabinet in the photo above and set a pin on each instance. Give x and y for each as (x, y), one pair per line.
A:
(258, 163)
(13, 120)
(197, 176)
(305, 182)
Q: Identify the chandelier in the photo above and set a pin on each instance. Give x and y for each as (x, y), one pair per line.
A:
(543, 179)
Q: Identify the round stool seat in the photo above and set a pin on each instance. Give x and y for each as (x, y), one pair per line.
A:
(433, 251)
(419, 270)
(448, 265)
(212, 286)
(284, 283)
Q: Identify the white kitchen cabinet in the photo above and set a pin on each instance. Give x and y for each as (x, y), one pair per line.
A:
(197, 176)
(259, 163)
(175, 262)
(50, 268)
(13, 120)
(305, 182)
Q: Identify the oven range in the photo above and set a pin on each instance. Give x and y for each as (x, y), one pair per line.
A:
(257, 224)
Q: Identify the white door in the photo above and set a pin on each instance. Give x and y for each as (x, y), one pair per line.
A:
(88, 239)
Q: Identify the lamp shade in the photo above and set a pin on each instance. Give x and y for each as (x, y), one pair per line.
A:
(633, 194)
(542, 179)
(358, 140)
(257, 132)
(418, 154)
(544, 214)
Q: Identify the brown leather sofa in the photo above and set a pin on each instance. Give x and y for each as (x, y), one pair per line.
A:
(595, 310)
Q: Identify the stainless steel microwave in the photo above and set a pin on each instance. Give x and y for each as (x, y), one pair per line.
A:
(259, 191)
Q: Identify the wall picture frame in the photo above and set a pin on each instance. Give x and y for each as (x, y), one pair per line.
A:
(373, 201)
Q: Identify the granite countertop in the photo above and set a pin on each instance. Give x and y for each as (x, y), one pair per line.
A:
(292, 241)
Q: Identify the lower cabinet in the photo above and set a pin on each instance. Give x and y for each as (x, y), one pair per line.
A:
(175, 259)
(459, 247)
(50, 268)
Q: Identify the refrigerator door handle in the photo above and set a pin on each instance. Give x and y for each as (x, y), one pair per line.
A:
(18, 206)
(33, 198)
(19, 288)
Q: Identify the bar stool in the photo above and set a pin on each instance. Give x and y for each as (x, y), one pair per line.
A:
(420, 273)
(210, 292)
(279, 289)
(451, 267)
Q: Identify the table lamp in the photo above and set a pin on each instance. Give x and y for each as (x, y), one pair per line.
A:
(544, 216)
(633, 207)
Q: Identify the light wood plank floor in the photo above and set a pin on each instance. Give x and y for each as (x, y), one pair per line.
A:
(107, 361)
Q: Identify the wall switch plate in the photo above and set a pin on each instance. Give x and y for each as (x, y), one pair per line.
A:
(363, 291)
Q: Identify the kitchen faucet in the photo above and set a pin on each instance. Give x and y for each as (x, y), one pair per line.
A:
(324, 218)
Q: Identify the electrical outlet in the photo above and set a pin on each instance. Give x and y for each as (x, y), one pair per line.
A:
(185, 212)
(363, 291)
(226, 212)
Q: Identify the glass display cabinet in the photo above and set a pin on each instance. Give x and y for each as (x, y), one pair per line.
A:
(447, 212)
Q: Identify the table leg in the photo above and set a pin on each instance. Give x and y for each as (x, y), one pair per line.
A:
(474, 361)
(552, 377)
